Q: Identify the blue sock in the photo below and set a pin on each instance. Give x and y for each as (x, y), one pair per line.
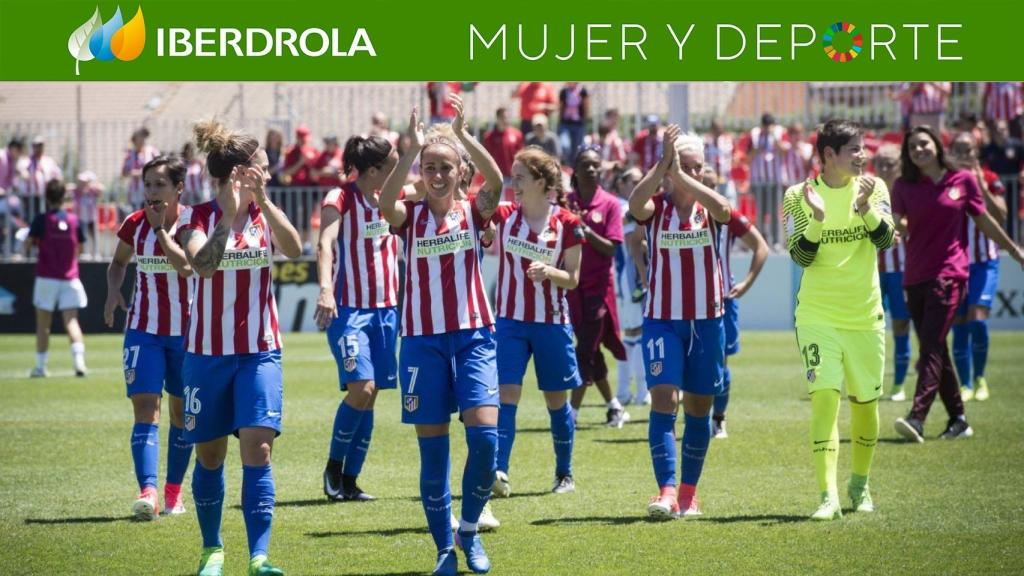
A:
(360, 445)
(979, 345)
(179, 453)
(563, 431)
(346, 423)
(902, 363)
(145, 453)
(208, 494)
(506, 434)
(478, 476)
(661, 437)
(258, 507)
(962, 353)
(721, 401)
(435, 465)
(696, 436)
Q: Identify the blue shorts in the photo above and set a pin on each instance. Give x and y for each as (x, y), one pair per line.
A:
(981, 286)
(226, 393)
(688, 354)
(364, 343)
(732, 326)
(554, 356)
(444, 372)
(893, 299)
(153, 363)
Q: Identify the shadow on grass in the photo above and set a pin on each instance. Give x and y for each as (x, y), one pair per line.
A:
(610, 520)
(883, 441)
(85, 520)
(762, 519)
(365, 573)
(529, 494)
(619, 440)
(343, 503)
(380, 532)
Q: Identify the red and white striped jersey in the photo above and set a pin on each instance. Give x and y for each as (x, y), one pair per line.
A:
(737, 227)
(195, 182)
(444, 290)
(520, 298)
(981, 248)
(927, 98)
(685, 274)
(793, 163)
(1003, 100)
(765, 155)
(233, 312)
(718, 154)
(892, 260)
(38, 171)
(366, 253)
(135, 160)
(161, 299)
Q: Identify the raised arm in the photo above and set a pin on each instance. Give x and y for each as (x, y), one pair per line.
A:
(804, 233)
(115, 278)
(283, 233)
(175, 254)
(389, 201)
(487, 197)
(204, 252)
(326, 306)
(640, 204)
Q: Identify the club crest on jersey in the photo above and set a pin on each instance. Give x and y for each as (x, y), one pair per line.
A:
(129, 376)
(190, 422)
(253, 233)
(411, 402)
(656, 368)
(954, 193)
(811, 376)
(350, 364)
(596, 217)
(697, 218)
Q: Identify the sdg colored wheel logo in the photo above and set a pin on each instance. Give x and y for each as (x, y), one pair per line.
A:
(842, 42)
(104, 41)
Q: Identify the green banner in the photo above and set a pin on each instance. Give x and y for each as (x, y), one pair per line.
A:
(515, 40)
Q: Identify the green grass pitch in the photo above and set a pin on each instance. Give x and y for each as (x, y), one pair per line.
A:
(67, 483)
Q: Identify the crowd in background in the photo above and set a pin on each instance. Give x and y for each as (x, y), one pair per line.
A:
(754, 166)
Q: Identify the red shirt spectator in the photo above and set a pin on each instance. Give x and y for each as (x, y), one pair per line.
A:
(648, 142)
(327, 170)
(441, 110)
(535, 98)
(502, 142)
(299, 160)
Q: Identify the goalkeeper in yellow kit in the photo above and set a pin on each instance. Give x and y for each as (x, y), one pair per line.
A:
(835, 224)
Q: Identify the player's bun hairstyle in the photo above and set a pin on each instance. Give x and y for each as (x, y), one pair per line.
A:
(175, 167)
(363, 153)
(55, 191)
(542, 165)
(909, 172)
(835, 134)
(224, 149)
(690, 142)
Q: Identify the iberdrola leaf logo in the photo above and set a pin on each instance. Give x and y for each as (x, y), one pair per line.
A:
(108, 40)
(78, 44)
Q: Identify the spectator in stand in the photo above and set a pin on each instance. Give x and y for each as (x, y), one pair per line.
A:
(298, 162)
(573, 113)
(87, 193)
(503, 142)
(543, 139)
(1003, 101)
(327, 171)
(795, 163)
(924, 103)
(35, 172)
(131, 170)
(765, 158)
(10, 158)
(274, 145)
(1004, 154)
(648, 142)
(381, 126)
(614, 150)
(11, 220)
(441, 109)
(718, 153)
(196, 189)
(534, 98)
(57, 287)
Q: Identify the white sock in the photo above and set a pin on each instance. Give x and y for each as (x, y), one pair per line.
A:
(41, 358)
(636, 360)
(614, 404)
(623, 391)
(78, 354)
(467, 526)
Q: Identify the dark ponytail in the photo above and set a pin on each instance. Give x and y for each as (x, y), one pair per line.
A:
(224, 149)
(363, 153)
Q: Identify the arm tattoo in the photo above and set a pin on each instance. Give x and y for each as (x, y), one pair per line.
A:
(208, 257)
(486, 201)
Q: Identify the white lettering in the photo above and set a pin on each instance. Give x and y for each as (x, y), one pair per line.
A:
(591, 41)
(875, 40)
(718, 42)
(205, 37)
(915, 27)
(250, 41)
(941, 42)
(680, 43)
(499, 34)
(795, 44)
(639, 45)
(325, 42)
(236, 37)
(761, 41)
(544, 44)
(180, 37)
